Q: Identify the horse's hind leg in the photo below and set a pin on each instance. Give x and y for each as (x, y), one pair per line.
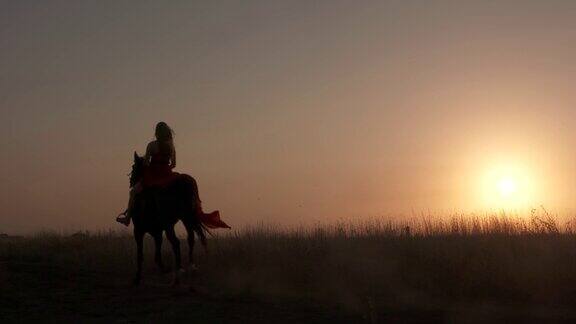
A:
(158, 252)
(139, 237)
(175, 242)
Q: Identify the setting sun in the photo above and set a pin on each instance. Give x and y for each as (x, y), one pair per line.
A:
(508, 187)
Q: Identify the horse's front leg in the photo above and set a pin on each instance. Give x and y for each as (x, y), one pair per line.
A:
(175, 242)
(139, 237)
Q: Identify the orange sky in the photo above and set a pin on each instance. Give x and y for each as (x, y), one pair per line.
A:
(285, 112)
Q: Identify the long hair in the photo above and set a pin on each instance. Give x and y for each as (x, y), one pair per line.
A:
(163, 132)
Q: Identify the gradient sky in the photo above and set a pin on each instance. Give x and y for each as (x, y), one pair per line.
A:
(284, 111)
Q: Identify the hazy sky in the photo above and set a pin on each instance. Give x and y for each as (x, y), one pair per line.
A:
(285, 111)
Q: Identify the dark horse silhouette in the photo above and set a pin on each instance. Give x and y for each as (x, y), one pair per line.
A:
(157, 210)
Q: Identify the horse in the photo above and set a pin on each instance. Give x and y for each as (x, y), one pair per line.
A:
(157, 210)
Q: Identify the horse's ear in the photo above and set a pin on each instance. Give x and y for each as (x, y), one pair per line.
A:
(136, 156)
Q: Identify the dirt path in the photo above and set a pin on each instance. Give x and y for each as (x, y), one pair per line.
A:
(43, 293)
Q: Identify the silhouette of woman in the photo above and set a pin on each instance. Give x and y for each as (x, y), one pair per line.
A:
(160, 159)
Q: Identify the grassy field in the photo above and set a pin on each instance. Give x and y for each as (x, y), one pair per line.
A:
(491, 268)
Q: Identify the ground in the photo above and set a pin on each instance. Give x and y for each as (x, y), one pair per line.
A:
(338, 275)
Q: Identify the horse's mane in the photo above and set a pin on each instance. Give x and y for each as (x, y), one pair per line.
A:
(137, 169)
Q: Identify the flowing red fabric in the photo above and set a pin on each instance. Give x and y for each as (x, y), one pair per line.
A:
(212, 220)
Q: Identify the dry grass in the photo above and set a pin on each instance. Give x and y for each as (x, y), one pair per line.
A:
(513, 266)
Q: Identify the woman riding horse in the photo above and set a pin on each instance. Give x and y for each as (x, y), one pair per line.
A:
(160, 159)
(174, 197)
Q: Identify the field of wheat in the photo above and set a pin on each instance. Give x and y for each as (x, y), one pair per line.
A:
(480, 268)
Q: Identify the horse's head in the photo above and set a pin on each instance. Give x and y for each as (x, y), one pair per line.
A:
(137, 170)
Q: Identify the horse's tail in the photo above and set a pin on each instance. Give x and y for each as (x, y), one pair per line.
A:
(202, 222)
(199, 228)
(201, 231)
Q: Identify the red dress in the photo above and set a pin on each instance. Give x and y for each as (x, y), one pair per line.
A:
(212, 220)
(159, 173)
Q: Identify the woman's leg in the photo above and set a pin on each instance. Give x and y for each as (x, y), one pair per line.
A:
(128, 213)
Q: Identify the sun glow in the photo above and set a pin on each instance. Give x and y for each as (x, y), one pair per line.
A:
(508, 187)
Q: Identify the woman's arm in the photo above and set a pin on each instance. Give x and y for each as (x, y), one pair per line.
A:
(148, 153)
(173, 157)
